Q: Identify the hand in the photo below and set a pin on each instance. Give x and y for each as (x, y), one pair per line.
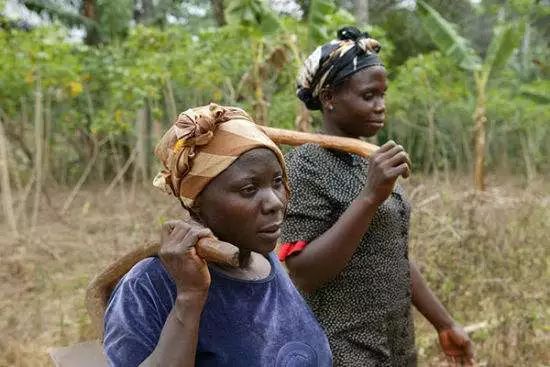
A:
(178, 254)
(457, 346)
(385, 165)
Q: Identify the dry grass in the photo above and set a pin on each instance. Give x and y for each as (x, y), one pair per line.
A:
(486, 256)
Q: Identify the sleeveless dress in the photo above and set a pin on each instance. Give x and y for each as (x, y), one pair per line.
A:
(366, 309)
(243, 323)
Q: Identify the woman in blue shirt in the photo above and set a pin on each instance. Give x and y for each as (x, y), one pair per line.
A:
(177, 310)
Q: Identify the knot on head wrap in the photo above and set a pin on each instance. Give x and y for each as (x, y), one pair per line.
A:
(331, 63)
(203, 142)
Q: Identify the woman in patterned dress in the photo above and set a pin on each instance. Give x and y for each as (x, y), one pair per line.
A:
(346, 230)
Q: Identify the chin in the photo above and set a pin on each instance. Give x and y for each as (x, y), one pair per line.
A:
(265, 248)
(370, 132)
(260, 247)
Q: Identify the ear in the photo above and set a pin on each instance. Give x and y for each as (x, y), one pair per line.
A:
(326, 96)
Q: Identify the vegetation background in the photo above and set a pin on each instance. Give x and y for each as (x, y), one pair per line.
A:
(88, 86)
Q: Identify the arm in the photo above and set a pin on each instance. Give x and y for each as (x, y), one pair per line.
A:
(179, 336)
(178, 340)
(453, 339)
(427, 303)
(327, 255)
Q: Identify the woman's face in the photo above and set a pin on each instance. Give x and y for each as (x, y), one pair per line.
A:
(245, 204)
(358, 104)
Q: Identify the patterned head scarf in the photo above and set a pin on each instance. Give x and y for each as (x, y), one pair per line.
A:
(331, 63)
(201, 144)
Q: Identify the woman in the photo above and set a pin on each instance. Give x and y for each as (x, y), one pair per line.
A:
(346, 231)
(176, 310)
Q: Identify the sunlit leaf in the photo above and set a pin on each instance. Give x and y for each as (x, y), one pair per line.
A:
(444, 35)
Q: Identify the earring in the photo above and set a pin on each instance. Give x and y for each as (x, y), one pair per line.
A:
(331, 108)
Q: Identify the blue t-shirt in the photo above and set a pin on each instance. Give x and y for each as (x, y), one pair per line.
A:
(244, 323)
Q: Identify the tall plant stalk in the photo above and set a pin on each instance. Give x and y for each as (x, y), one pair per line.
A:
(7, 198)
(38, 146)
(505, 39)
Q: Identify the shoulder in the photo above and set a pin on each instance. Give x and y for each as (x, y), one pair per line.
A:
(137, 311)
(147, 278)
(307, 153)
(310, 160)
(143, 298)
(149, 267)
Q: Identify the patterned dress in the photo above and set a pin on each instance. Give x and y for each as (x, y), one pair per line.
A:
(366, 309)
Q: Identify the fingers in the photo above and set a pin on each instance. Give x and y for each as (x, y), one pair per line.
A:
(182, 234)
(205, 232)
(461, 338)
(459, 362)
(194, 235)
(168, 227)
(401, 170)
(393, 155)
(396, 150)
(469, 349)
(386, 146)
(398, 159)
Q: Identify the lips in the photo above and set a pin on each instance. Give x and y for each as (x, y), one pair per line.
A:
(271, 228)
(271, 232)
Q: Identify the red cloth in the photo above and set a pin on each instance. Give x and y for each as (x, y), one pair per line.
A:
(290, 248)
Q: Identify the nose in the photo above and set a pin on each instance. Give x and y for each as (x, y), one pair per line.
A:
(380, 105)
(271, 202)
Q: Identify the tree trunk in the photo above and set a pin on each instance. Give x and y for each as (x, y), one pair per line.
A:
(7, 199)
(218, 11)
(89, 10)
(431, 164)
(146, 14)
(260, 104)
(362, 11)
(143, 127)
(38, 144)
(303, 118)
(48, 133)
(479, 136)
(170, 101)
(304, 5)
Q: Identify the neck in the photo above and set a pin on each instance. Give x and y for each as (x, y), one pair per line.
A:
(330, 128)
(254, 266)
(245, 258)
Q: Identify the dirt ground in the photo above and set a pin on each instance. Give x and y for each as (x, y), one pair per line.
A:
(486, 256)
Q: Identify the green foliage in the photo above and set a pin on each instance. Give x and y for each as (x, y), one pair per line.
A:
(96, 92)
(114, 18)
(503, 43)
(325, 19)
(254, 15)
(429, 112)
(447, 38)
(67, 16)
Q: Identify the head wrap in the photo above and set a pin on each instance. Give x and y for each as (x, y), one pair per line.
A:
(201, 144)
(331, 63)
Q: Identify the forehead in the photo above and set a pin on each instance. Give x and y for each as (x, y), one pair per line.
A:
(253, 162)
(372, 77)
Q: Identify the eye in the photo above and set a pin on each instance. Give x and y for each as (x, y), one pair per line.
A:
(278, 181)
(248, 190)
(368, 96)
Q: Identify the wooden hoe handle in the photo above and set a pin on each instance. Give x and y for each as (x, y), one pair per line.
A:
(348, 145)
(221, 252)
(210, 249)
(100, 288)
